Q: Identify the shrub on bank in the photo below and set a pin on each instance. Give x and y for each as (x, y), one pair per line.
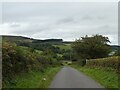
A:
(16, 60)
(110, 63)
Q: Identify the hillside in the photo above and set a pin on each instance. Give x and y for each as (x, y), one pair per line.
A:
(57, 46)
(115, 47)
(17, 39)
(20, 40)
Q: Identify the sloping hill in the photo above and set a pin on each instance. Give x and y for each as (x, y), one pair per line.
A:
(27, 39)
(17, 38)
(33, 43)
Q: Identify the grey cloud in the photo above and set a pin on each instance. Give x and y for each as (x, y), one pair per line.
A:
(101, 17)
(61, 20)
(15, 25)
(87, 17)
(30, 29)
(65, 20)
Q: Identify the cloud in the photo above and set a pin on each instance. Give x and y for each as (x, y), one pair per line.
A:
(87, 17)
(60, 20)
(66, 20)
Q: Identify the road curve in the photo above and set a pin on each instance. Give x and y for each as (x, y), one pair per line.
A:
(71, 78)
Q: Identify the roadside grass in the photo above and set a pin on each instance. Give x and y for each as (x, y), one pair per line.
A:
(108, 79)
(35, 79)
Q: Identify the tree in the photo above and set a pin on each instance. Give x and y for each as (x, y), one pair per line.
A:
(92, 47)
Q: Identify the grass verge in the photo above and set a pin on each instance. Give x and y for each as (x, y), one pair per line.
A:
(34, 79)
(108, 79)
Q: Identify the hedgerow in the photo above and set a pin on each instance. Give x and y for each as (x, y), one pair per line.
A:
(16, 60)
(111, 63)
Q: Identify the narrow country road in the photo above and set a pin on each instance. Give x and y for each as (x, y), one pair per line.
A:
(71, 78)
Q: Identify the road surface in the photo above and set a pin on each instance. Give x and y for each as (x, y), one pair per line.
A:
(71, 78)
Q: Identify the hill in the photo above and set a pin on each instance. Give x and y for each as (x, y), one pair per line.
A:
(115, 47)
(26, 41)
(34, 43)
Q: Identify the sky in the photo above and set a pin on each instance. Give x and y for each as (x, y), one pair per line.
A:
(63, 20)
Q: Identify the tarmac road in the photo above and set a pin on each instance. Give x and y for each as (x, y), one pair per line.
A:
(71, 78)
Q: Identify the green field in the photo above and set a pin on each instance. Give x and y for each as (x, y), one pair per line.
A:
(60, 55)
(64, 46)
(38, 51)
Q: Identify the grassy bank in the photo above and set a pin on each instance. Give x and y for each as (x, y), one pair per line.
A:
(34, 79)
(108, 79)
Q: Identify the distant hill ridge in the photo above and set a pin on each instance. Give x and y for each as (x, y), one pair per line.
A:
(27, 39)
(17, 38)
(115, 47)
(48, 40)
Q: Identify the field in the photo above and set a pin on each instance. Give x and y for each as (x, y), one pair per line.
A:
(64, 46)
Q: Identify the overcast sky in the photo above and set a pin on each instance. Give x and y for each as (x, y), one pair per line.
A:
(68, 21)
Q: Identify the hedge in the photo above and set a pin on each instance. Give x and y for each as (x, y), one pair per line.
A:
(16, 60)
(109, 63)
